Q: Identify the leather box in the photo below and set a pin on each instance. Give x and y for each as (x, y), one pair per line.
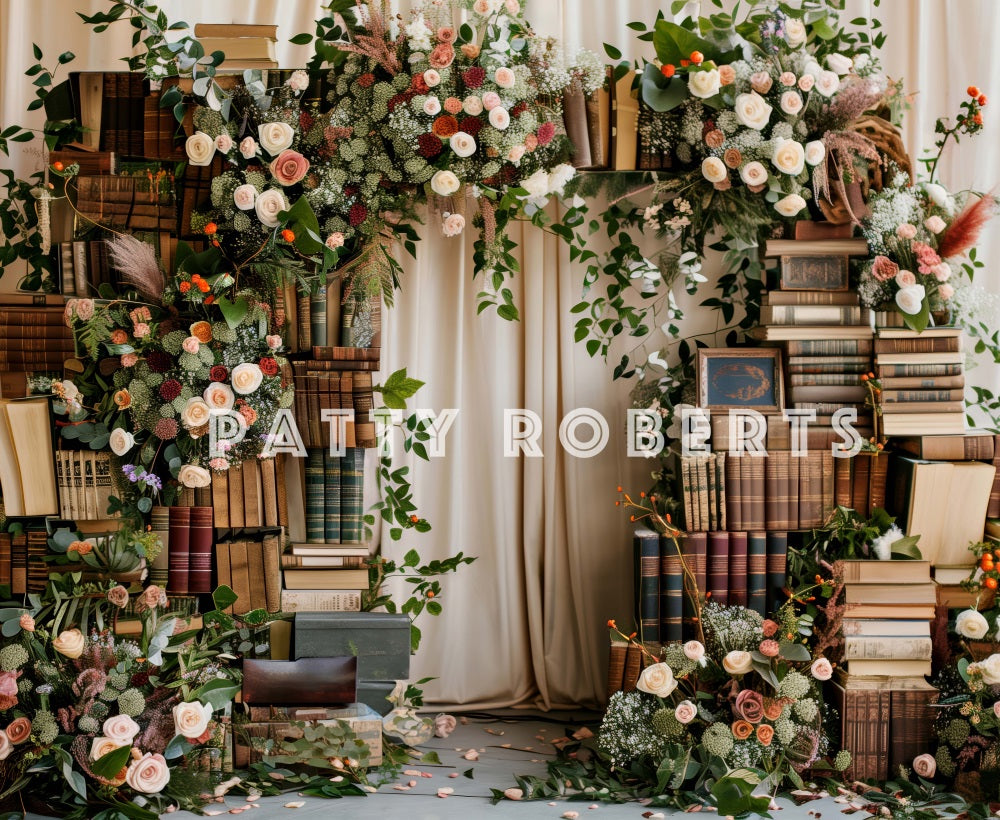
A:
(305, 682)
(381, 642)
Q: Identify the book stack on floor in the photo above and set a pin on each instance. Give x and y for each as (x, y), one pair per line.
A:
(882, 696)
(923, 382)
(252, 569)
(324, 577)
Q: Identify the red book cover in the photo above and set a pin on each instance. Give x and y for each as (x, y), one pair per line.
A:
(180, 549)
(718, 566)
(201, 541)
(738, 568)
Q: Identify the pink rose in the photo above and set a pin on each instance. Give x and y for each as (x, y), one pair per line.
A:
(481, 7)
(749, 706)
(945, 291)
(499, 118)
(442, 56)
(289, 167)
(513, 7)
(8, 684)
(191, 344)
(924, 765)
(472, 105)
(491, 100)
(935, 224)
(432, 78)
(245, 197)
(335, 240)
(299, 81)
(806, 82)
(432, 106)
(769, 648)
(906, 231)
(224, 143)
(996, 709)
(129, 360)
(274, 342)
(516, 153)
(26, 622)
(153, 596)
(118, 596)
(504, 77)
(121, 729)
(821, 669)
(84, 309)
(884, 269)
(446, 34)
(685, 712)
(140, 330)
(906, 279)
(942, 271)
(787, 78)
(695, 651)
(248, 148)
(149, 774)
(453, 105)
(761, 82)
(453, 225)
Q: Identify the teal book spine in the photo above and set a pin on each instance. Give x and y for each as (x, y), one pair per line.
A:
(671, 591)
(331, 518)
(757, 572)
(317, 317)
(777, 557)
(352, 486)
(315, 497)
(646, 544)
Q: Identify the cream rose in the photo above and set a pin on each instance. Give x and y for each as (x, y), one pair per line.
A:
(200, 148)
(821, 669)
(432, 77)
(905, 278)
(795, 32)
(464, 145)
(989, 669)
(559, 176)
(445, 183)
(924, 765)
(499, 118)
(971, 624)
(275, 137)
(714, 169)
(121, 729)
(945, 291)
(737, 662)
(910, 300)
(516, 154)
(6, 747)
(685, 712)
(472, 105)
(806, 82)
(657, 679)
(453, 225)
(906, 231)
(827, 83)
(432, 106)
(695, 651)
(937, 194)
(149, 774)
(754, 173)
(248, 147)
(704, 84)
(839, 63)
(935, 224)
(245, 196)
(70, 643)
(790, 205)
(788, 156)
(246, 378)
(815, 152)
(791, 102)
(100, 746)
(537, 185)
(752, 110)
(219, 396)
(121, 441)
(224, 143)
(191, 344)
(191, 475)
(268, 205)
(299, 81)
(504, 77)
(191, 719)
(195, 413)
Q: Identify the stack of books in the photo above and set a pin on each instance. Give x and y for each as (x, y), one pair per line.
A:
(588, 125)
(323, 385)
(324, 577)
(923, 384)
(250, 495)
(33, 334)
(83, 481)
(334, 496)
(252, 569)
(246, 46)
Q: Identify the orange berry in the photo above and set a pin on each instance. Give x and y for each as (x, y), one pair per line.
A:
(685, 63)
(991, 583)
(668, 70)
(209, 299)
(631, 518)
(669, 521)
(864, 377)
(996, 553)
(215, 243)
(618, 503)
(697, 57)
(414, 519)
(972, 91)
(619, 488)
(58, 166)
(288, 235)
(211, 228)
(642, 494)
(982, 99)
(430, 593)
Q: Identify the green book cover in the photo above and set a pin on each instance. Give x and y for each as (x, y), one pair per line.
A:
(757, 572)
(331, 518)
(317, 317)
(646, 547)
(315, 497)
(352, 487)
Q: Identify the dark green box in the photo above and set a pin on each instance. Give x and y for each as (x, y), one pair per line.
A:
(374, 693)
(381, 642)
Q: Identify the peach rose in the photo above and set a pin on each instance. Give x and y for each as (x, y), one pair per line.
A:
(499, 118)
(432, 77)
(191, 344)
(246, 378)
(806, 82)
(685, 712)
(191, 475)
(6, 747)
(821, 669)
(432, 106)
(70, 643)
(141, 330)
(925, 765)
(657, 679)
(453, 225)
(464, 145)
(765, 734)
(504, 77)
(268, 205)
(754, 173)
(335, 240)
(118, 596)
(906, 231)
(442, 56)
(446, 34)
(219, 396)
(491, 100)
(290, 167)
(224, 143)
(19, 730)
(191, 719)
(516, 153)
(26, 622)
(761, 82)
(101, 746)
(742, 730)
(884, 269)
(727, 75)
(129, 360)
(248, 147)
(196, 413)
(737, 662)
(787, 78)
(453, 105)
(444, 725)
(695, 651)
(121, 729)
(906, 279)
(299, 81)
(149, 774)
(274, 341)
(945, 291)
(152, 596)
(470, 50)
(472, 105)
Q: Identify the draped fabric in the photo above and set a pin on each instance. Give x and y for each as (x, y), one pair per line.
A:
(526, 623)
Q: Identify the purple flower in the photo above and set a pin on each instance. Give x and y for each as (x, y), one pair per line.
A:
(153, 481)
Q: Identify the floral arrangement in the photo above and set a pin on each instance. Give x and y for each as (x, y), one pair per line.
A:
(92, 719)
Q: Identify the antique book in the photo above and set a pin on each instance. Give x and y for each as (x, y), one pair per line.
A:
(687, 491)
(694, 548)
(886, 628)
(104, 487)
(234, 480)
(812, 314)
(28, 481)
(289, 561)
(735, 492)
(718, 566)
(38, 569)
(625, 123)
(886, 572)
(918, 371)
(5, 558)
(922, 396)
(646, 554)
(305, 682)
(320, 600)
(239, 562)
(757, 572)
(380, 641)
(918, 344)
(796, 333)
(223, 567)
(809, 297)
(201, 541)
(890, 667)
(272, 573)
(315, 497)
(862, 346)
(864, 728)
(921, 359)
(231, 30)
(268, 492)
(823, 379)
(599, 125)
(671, 591)
(220, 499)
(252, 510)
(827, 504)
(885, 648)
(256, 568)
(901, 611)
(317, 317)
(179, 525)
(330, 550)
(891, 593)
(777, 555)
(898, 409)
(926, 383)
(575, 118)
(326, 578)
(708, 512)
(19, 563)
(911, 424)
(352, 479)
(756, 520)
(826, 393)
(911, 724)
(344, 354)
(616, 667)
(738, 549)
(816, 247)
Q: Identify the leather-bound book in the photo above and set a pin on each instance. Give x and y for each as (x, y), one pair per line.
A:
(718, 566)
(911, 725)
(827, 484)
(734, 491)
(694, 548)
(272, 573)
(616, 667)
(738, 551)
(179, 524)
(646, 548)
(282, 491)
(777, 560)
(252, 516)
(757, 572)
(877, 480)
(159, 522)
(220, 499)
(315, 497)
(317, 317)
(861, 465)
(19, 564)
(331, 498)
(633, 667)
(720, 490)
(268, 492)
(223, 568)
(575, 118)
(352, 486)
(5, 558)
(687, 490)
(255, 564)
(200, 563)
(239, 563)
(842, 485)
(671, 591)
(795, 471)
(305, 682)
(758, 492)
(234, 477)
(772, 490)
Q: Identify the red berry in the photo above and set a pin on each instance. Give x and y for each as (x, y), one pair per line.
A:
(668, 70)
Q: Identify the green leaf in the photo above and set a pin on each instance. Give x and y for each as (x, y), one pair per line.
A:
(613, 52)
(907, 547)
(674, 43)
(36, 51)
(217, 693)
(662, 94)
(107, 766)
(301, 39)
(919, 321)
(223, 597)
(963, 669)
(794, 651)
(233, 312)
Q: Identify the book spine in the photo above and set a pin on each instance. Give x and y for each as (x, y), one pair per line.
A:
(922, 371)
(823, 379)
(911, 729)
(694, 548)
(842, 482)
(777, 557)
(234, 482)
(894, 396)
(939, 344)
(898, 648)
(830, 347)
(720, 490)
(734, 492)
(859, 489)
(772, 492)
(201, 541)
(878, 474)
(925, 383)
(671, 591)
(19, 564)
(6, 575)
(687, 492)
(159, 570)
(331, 486)
(647, 562)
(220, 499)
(315, 600)
(269, 492)
(315, 497)
(757, 495)
(633, 667)
(272, 573)
(718, 566)
(317, 318)
(180, 549)
(827, 504)
(738, 567)
(757, 572)
(352, 479)
(616, 667)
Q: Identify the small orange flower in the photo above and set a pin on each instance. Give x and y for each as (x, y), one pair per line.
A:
(209, 299)
(288, 235)
(122, 399)
(972, 91)
(772, 709)
(203, 286)
(982, 99)
(742, 729)
(118, 337)
(668, 70)
(414, 519)
(80, 547)
(685, 63)
(202, 331)
(211, 228)
(765, 733)
(619, 488)
(58, 166)
(184, 287)
(612, 624)
(978, 119)
(445, 126)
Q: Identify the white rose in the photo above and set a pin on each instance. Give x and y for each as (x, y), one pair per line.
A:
(911, 299)
(791, 102)
(714, 169)
(464, 145)
(245, 196)
(268, 205)
(275, 137)
(937, 194)
(971, 624)
(752, 110)
(827, 83)
(499, 118)
(191, 475)
(219, 396)
(839, 63)
(432, 77)
(432, 106)
(195, 413)
(537, 185)
(246, 378)
(200, 148)
(815, 152)
(737, 663)
(559, 176)
(191, 719)
(704, 84)
(795, 31)
(445, 183)
(70, 390)
(453, 225)
(695, 651)
(989, 669)
(100, 746)
(790, 205)
(473, 105)
(788, 156)
(299, 81)
(121, 729)
(149, 774)
(6, 747)
(754, 173)
(121, 441)
(657, 679)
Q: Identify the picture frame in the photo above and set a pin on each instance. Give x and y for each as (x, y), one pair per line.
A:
(733, 378)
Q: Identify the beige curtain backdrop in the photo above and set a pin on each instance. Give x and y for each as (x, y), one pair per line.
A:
(525, 624)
